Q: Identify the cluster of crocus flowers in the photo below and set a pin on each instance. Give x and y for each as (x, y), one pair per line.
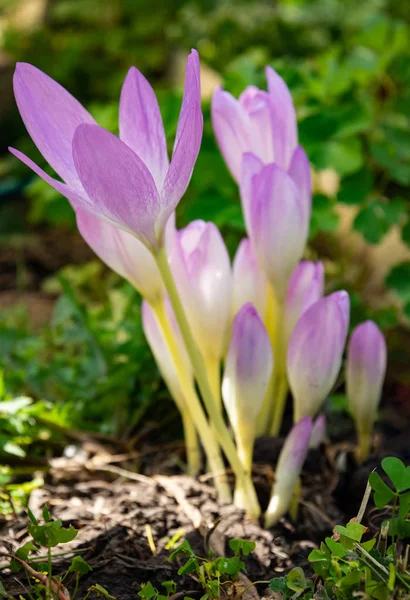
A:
(263, 322)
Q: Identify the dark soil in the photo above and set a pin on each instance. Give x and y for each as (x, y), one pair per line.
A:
(115, 519)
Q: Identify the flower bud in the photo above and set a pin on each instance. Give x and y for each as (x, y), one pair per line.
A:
(288, 469)
(202, 270)
(248, 368)
(305, 288)
(315, 352)
(277, 225)
(365, 372)
(248, 280)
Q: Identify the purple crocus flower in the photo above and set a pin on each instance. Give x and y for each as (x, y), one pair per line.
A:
(315, 352)
(288, 469)
(127, 181)
(123, 253)
(365, 372)
(202, 270)
(305, 288)
(277, 225)
(248, 368)
(263, 123)
(248, 280)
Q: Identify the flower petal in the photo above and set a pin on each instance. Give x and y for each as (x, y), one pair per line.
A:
(51, 116)
(277, 228)
(119, 185)
(75, 196)
(299, 170)
(251, 165)
(248, 280)
(231, 125)
(123, 253)
(182, 163)
(315, 353)
(365, 372)
(192, 92)
(285, 126)
(141, 126)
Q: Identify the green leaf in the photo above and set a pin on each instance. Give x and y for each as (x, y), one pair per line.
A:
(278, 584)
(324, 215)
(296, 580)
(46, 513)
(79, 565)
(189, 567)
(31, 516)
(184, 549)
(147, 591)
(399, 280)
(372, 222)
(357, 187)
(100, 591)
(170, 586)
(336, 547)
(242, 546)
(398, 473)
(25, 550)
(352, 531)
(382, 493)
(229, 566)
(405, 234)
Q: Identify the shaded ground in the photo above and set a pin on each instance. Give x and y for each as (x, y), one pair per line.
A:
(116, 517)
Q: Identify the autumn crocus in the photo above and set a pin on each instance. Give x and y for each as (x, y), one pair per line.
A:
(248, 280)
(305, 288)
(201, 266)
(260, 122)
(315, 352)
(277, 225)
(248, 368)
(365, 372)
(123, 253)
(290, 463)
(127, 180)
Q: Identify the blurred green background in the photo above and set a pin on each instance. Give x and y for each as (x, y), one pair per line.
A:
(70, 330)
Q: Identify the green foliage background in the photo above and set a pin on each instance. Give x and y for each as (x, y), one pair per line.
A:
(348, 67)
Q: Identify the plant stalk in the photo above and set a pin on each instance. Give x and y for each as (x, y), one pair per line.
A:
(193, 405)
(243, 477)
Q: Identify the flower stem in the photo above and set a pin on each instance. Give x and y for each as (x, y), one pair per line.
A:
(280, 403)
(243, 477)
(281, 384)
(193, 453)
(364, 435)
(193, 405)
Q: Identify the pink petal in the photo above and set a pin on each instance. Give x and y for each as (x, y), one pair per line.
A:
(51, 116)
(119, 185)
(182, 163)
(192, 92)
(277, 229)
(123, 253)
(74, 196)
(231, 125)
(141, 126)
(251, 165)
(285, 128)
(300, 172)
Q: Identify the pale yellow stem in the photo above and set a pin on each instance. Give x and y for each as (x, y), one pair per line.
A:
(243, 477)
(193, 405)
(364, 438)
(265, 415)
(193, 453)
